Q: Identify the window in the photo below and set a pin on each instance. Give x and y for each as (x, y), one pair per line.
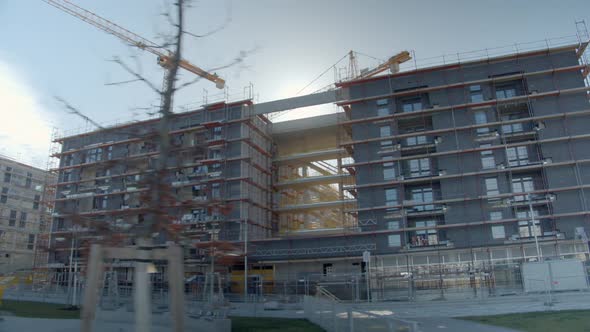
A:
(505, 91)
(100, 202)
(425, 237)
(203, 169)
(68, 160)
(487, 157)
(383, 111)
(391, 196)
(12, 219)
(215, 191)
(394, 240)
(214, 168)
(215, 154)
(492, 186)
(93, 155)
(527, 229)
(328, 269)
(7, 177)
(392, 225)
(481, 118)
(60, 224)
(217, 133)
(66, 176)
(101, 175)
(496, 215)
(512, 127)
(517, 156)
(36, 202)
(385, 131)
(498, 232)
(31, 242)
(382, 102)
(23, 220)
(109, 152)
(4, 196)
(476, 93)
(199, 214)
(29, 180)
(411, 105)
(415, 140)
(199, 193)
(422, 195)
(125, 201)
(522, 185)
(388, 169)
(146, 147)
(419, 167)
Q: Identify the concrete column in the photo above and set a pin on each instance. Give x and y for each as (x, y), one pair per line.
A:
(142, 294)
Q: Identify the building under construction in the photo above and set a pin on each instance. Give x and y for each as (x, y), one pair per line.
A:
(443, 173)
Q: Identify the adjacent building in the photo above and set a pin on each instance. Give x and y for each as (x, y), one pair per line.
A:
(24, 215)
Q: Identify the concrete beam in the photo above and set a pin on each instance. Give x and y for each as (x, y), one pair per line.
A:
(320, 98)
(320, 205)
(312, 156)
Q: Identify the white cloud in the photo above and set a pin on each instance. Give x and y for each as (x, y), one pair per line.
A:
(25, 132)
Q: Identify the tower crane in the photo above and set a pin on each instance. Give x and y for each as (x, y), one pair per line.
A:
(164, 56)
(392, 64)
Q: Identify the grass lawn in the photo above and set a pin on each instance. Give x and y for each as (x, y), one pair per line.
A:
(239, 324)
(546, 321)
(252, 324)
(38, 309)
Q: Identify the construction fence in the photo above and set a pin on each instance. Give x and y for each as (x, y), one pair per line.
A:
(380, 284)
(333, 316)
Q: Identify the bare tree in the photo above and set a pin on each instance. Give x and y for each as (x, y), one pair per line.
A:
(156, 200)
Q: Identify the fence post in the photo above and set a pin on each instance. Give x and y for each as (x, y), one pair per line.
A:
(350, 320)
(334, 318)
(321, 310)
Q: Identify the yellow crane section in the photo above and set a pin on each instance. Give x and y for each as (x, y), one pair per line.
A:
(392, 64)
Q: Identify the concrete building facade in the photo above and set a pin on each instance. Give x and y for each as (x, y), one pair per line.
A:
(24, 215)
(458, 167)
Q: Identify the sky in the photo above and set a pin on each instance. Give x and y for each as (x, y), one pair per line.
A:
(46, 53)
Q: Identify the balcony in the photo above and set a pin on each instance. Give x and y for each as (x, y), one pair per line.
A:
(547, 236)
(426, 246)
(426, 210)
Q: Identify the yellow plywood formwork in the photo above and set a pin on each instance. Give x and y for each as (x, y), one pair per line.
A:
(309, 187)
(259, 276)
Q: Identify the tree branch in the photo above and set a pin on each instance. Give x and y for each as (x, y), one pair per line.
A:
(72, 110)
(225, 24)
(137, 75)
(123, 82)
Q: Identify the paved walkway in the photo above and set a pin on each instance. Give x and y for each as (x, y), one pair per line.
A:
(431, 316)
(489, 306)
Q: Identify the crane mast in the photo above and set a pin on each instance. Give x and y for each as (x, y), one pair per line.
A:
(164, 56)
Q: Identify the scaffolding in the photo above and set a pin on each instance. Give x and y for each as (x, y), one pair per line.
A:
(239, 178)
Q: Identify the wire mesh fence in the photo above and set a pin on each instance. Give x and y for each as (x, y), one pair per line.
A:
(334, 316)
